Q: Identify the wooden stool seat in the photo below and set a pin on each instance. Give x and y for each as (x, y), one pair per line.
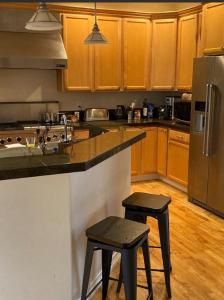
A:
(150, 203)
(117, 232)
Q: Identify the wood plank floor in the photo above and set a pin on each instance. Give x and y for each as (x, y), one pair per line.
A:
(197, 249)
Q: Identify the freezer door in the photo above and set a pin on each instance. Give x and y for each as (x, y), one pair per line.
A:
(198, 163)
(216, 158)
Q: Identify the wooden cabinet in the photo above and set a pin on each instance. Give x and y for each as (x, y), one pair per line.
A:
(178, 155)
(186, 51)
(107, 67)
(92, 67)
(135, 159)
(162, 151)
(149, 152)
(144, 154)
(79, 74)
(136, 34)
(213, 28)
(164, 37)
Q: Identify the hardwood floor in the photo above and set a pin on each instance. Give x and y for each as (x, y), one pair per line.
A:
(197, 249)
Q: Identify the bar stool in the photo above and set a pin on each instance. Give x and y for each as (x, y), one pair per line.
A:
(123, 236)
(138, 207)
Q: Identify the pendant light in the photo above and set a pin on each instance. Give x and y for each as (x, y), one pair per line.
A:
(43, 20)
(95, 37)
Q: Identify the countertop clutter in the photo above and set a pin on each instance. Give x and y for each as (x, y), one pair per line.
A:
(72, 157)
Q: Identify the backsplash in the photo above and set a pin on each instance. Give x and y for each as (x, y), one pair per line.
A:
(41, 85)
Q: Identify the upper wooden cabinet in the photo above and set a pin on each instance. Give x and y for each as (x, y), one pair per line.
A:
(213, 28)
(79, 74)
(107, 67)
(136, 33)
(186, 50)
(164, 38)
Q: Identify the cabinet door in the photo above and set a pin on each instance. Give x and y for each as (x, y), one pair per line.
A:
(135, 158)
(79, 74)
(149, 152)
(186, 51)
(108, 57)
(162, 151)
(213, 28)
(136, 53)
(164, 40)
(177, 165)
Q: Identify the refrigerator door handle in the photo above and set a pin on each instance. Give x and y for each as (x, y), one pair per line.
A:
(206, 120)
(210, 88)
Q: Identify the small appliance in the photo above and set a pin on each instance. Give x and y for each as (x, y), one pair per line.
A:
(164, 112)
(120, 112)
(97, 114)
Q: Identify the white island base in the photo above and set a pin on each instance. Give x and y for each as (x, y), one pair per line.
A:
(42, 228)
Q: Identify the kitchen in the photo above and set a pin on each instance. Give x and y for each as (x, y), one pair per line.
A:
(147, 62)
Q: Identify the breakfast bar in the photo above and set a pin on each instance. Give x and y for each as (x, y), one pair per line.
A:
(46, 207)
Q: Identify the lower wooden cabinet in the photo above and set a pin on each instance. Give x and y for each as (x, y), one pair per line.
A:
(162, 151)
(178, 157)
(149, 152)
(144, 154)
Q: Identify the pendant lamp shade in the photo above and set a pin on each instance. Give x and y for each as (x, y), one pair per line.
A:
(43, 20)
(95, 37)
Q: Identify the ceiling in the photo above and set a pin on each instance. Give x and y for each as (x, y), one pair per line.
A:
(146, 7)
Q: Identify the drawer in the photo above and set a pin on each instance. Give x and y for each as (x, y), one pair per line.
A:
(179, 136)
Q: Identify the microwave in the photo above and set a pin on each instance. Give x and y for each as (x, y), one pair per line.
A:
(182, 111)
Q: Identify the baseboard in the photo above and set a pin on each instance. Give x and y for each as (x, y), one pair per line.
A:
(173, 183)
(152, 176)
(115, 259)
(156, 176)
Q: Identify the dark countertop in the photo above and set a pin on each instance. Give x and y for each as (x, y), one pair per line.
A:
(71, 157)
(141, 123)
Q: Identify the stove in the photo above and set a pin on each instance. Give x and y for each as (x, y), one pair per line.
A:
(11, 133)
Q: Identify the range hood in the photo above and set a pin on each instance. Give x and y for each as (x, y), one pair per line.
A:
(22, 50)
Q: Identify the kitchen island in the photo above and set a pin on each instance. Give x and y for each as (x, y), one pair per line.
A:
(47, 202)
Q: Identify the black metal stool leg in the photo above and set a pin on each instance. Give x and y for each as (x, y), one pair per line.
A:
(145, 251)
(129, 271)
(106, 264)
(87, 269)
(168, 226)
(120, 278)
(164, 240)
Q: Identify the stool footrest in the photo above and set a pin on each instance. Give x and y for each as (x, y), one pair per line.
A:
(153, 270)
(159, 247)
(93, 289)
(138, 285)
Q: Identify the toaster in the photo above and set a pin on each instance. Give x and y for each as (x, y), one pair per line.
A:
(97, 114)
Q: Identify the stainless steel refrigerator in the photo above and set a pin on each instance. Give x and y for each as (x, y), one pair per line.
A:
(206, 157)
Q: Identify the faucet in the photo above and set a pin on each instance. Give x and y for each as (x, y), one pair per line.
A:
(64, 119)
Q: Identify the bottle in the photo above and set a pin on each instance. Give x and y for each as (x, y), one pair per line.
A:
(145, 109)
(150, 110)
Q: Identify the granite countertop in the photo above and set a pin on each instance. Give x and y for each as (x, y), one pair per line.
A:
(73, 157)
(140, 123)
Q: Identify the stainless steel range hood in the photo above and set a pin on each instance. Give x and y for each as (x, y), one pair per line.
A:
(22, 50)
